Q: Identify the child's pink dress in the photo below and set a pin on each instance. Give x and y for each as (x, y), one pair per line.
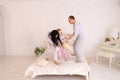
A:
(59, 52)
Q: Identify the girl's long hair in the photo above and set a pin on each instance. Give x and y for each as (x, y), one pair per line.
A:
(55, 37)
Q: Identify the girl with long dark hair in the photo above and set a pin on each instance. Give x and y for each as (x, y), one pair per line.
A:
(55, 38)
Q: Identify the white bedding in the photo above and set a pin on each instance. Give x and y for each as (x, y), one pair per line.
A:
(69, 67)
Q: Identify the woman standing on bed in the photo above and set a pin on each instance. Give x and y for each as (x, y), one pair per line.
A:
(77, 37)
(57, 44)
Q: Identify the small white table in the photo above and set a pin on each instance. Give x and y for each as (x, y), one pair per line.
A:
(109, 50)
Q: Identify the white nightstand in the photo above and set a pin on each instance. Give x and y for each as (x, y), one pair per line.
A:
(119, 64)
(105, 54)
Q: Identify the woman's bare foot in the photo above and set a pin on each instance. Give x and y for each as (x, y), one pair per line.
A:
(57, 63)
(66, 59)
(47, 59)
(78, 61)
(88, 60)
(73, 54)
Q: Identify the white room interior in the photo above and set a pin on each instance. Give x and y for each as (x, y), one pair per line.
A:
(2, 36)
(24, 24)
(28, 22)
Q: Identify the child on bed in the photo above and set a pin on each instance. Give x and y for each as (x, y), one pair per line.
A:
(57, 44)
(64, 39)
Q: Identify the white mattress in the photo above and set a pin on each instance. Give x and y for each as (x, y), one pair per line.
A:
(69, 67)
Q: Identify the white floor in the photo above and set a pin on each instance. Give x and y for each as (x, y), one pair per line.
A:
(13, 68)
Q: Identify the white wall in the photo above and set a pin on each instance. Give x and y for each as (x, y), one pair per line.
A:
(31, 20)
(2, 36)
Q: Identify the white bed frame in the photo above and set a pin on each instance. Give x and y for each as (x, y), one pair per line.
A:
(69, 67)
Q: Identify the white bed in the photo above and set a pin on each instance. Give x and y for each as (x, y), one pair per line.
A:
(69, 67)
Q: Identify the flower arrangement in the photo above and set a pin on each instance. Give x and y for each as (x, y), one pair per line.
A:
(38, 50)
